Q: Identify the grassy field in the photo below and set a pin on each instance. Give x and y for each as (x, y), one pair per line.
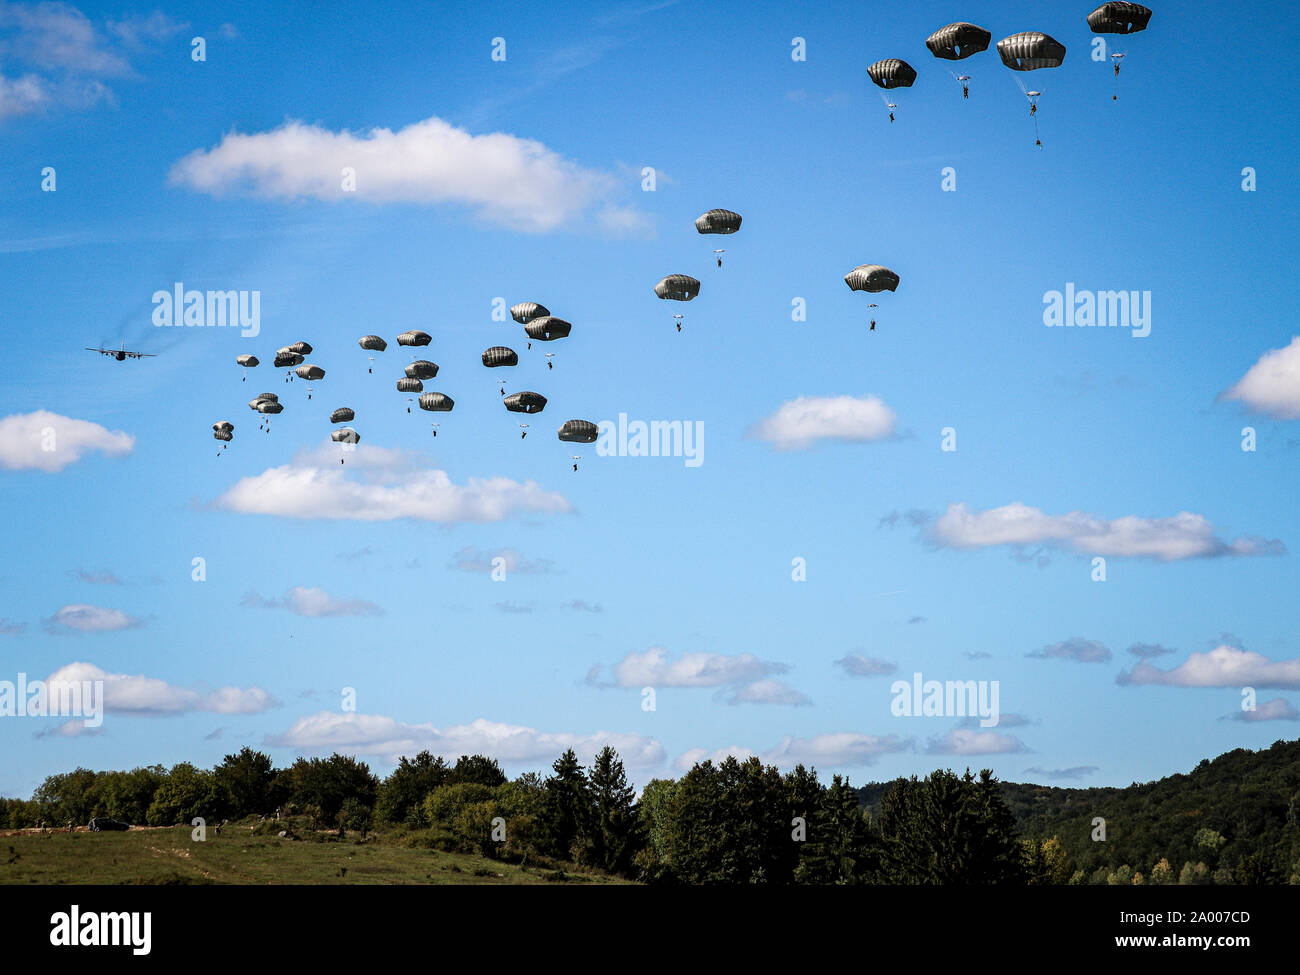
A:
(239, 856)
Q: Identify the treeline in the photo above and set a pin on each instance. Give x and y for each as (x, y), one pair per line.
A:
(735, 822)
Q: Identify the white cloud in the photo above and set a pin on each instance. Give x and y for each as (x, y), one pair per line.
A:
(56, 36)
(1277, 709)
(75, 728)
(314, 602)
(800, 423)
(85, 618)
(140, 695)
(1076, 648)
(45, 441)
(136, 31)
(1272, 385)
(860, 665)
(373, 734)
(382, 485)
(767, 691)
(970, 741)
(654, 668)
(1224, 666)
(1183, 536)
(505, 179)
(22, 95)
(826, 751)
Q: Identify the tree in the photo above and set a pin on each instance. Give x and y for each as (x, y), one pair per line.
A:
(185, 793)
(401, 797)
(949, 830)
(568, 806)
(322, 784)
(1046, 863)
(653, 862)
(69, 796)
(479, 769)
(614, 835)
(840, 848)
(246, 778)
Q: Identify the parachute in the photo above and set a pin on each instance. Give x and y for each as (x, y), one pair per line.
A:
(409, 385)
(223, 430)
(263, 398)
(268, 406)
(1119, 18)
(310, 371)
(871, 277)
(301, 348)
(343, 414)
(548, 328)
(225, 435)
(718, 222)
(526, 311)
(414, 337)
(678, 287)
(421, 369)
(437, 402)
(499, 355)
(223, 425)
(345, 435)
(1031, 50)
(525, 402)
(578, 431)
(284, 359)
(957, 41)
(892, 73)
(372, 342)
(247, 361)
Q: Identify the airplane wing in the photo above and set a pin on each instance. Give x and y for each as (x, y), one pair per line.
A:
(100, 351)
(142, 355)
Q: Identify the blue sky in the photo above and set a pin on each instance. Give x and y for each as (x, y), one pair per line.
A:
(640, 571)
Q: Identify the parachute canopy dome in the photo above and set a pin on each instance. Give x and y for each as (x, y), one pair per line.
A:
(526, 311)
(1119, 18)
(1031, 50)
(271, 396)
(226, 435)
(548, 328)
(718, 222)
(346, 435)
(268, 406)
(310, 371)
(409, 385)
(957, 41)
(414, 337)
(892, 73)
(525, 402)
(302, 348)
(284, 359)
(678, 287)
(871, 277)
(578, 431)
(247, 361)
(421, 369)
(343, 414)
(225, 425)
(373, 342)
(437, 402)
(499, 355)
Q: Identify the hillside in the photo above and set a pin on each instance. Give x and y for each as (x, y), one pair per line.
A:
(1242, 805)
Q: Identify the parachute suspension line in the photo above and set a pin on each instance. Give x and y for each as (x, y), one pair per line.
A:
(1037, 141)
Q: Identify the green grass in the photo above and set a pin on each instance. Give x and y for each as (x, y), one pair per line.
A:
(238, 856)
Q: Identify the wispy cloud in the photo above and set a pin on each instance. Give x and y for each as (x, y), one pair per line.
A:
(313, 602)
(140, 695)
(1076, 648)
(825, 751)
(84, 618)
(1184, 536)
(860, 665)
